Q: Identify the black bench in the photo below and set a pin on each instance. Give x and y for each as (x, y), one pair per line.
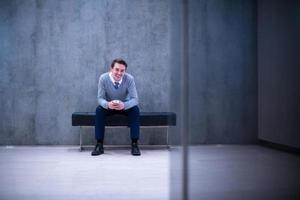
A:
(147, 119)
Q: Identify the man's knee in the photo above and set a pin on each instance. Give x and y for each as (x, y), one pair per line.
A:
(100, 109)
(135, 110)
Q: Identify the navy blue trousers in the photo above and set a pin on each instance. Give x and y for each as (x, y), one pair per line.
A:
(134, 120)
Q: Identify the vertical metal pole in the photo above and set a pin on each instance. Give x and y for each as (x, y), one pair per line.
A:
(185, 99)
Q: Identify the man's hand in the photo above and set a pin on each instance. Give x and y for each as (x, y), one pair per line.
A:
(120, 106)
(111, 105)
(116, 105)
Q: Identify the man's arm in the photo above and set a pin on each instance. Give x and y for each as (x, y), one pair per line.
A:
(101, 94)
(132, 96)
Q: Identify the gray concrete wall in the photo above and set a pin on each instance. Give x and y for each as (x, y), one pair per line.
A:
(52, 53)
(223, 73)
(279, 72)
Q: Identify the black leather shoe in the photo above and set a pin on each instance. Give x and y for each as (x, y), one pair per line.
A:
(98, 150)
(135, 151)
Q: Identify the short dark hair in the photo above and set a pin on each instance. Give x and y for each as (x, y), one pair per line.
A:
(120, 61)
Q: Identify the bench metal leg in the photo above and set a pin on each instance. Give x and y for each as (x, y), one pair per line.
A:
(80, 139)
(168, 146)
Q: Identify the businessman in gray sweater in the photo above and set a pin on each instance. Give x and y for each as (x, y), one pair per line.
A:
(117, 95)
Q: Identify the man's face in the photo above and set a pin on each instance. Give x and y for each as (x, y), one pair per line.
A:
(118, 71)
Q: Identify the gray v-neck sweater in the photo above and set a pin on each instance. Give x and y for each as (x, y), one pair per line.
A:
(126, 92)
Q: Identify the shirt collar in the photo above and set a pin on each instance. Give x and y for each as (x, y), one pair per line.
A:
(112, 79)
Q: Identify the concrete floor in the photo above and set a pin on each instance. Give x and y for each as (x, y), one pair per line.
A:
(46, 173)
(235, 172)
(215, 172)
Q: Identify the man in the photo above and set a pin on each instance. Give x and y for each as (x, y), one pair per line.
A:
(117, 95)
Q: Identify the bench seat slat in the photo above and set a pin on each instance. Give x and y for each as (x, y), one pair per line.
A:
(146, 119)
